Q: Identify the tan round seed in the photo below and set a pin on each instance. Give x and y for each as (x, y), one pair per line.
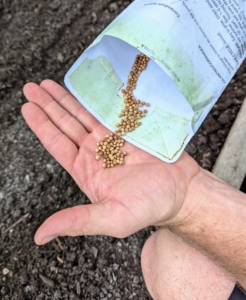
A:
(109, 149)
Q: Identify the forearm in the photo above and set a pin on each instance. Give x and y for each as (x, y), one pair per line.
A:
(216, 224)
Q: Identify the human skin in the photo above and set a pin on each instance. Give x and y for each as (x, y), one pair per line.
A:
(122, 196)
(174, 270)
(217, 226)
(193, 203)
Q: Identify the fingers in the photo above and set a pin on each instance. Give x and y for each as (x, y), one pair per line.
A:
(110, 218)
(69, 103)
(57, 114)
(57, 143)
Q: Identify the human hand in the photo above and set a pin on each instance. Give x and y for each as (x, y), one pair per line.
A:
(144, 191)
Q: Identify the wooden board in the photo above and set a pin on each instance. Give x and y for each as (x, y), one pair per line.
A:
(231, 163)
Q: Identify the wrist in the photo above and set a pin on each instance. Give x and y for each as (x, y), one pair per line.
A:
(212, 220)
(199, 190)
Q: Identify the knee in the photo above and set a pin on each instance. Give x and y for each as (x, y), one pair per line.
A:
(146, 263)
(174, 270)
(150, 263)
(147, 254)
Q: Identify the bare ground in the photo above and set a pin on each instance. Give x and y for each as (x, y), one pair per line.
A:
(41, 39)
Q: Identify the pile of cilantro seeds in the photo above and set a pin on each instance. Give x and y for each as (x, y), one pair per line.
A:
(109, 147)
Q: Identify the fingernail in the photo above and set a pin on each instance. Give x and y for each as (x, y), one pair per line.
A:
(48, 239)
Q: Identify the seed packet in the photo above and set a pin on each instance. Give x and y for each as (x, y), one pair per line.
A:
(195, 48)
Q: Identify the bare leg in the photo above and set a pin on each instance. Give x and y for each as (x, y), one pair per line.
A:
(174, 270)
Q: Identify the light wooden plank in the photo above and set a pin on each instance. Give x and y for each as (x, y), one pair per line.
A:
(231, 163)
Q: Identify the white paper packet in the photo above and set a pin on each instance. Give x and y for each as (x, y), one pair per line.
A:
(195, 49)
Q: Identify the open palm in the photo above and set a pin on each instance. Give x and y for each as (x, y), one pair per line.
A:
(144, 191)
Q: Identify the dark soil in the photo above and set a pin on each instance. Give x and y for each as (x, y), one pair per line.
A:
(41, 39)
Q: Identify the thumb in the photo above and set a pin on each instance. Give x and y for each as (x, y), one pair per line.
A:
(110, 218)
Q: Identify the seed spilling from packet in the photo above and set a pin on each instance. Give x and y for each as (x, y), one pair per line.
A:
(109, 147)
